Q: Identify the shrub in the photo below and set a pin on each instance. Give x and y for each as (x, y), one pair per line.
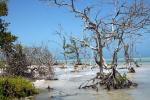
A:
(16, 87)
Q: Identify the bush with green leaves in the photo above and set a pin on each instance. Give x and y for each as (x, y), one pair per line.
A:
(15, 87)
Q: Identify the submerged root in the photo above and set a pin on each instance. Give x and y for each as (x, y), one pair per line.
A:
(108, 81)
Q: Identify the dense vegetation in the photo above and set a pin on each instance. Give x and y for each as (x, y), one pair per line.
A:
(15, 87)
(14, 62)
(17, 60)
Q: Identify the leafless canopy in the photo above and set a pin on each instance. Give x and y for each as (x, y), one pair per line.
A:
(124, 20)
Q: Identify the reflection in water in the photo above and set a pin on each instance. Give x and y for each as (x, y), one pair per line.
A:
(67, 88)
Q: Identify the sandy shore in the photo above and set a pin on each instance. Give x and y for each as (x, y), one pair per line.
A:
(66, 88)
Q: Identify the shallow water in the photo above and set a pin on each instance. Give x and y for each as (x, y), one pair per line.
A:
(66, 88)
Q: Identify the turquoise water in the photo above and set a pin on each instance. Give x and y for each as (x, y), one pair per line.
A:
(108, 61)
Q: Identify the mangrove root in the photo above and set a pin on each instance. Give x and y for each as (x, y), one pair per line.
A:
(108, 81)
(131, 70)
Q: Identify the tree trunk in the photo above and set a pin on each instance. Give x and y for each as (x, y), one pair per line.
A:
(101, 60)
(78, 59)
(114, 62)
(126, 48)
(65, 58)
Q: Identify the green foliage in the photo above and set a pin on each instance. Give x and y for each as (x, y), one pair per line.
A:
(73, 49)
(6, 38)
(13, 54)
(15, 87)
(70, 49)
(3, 8)
(121, 80)
(18, 62)
(2, 64)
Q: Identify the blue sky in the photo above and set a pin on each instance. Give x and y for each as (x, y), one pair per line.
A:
(34, 22)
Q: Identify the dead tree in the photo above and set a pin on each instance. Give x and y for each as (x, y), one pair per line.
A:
(40, 62)
(128, 60)
(127, 20)
(90, 25)
(63, 38)
(126, 47)
(73, 48)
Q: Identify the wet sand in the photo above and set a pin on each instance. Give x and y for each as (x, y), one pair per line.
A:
(66, 88)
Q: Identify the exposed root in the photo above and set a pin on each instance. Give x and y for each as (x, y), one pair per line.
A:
(92, 83)
(116, 82)
(131, 70)
(109, 81)
(136, 64)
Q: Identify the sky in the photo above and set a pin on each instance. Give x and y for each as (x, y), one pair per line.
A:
(34, 22)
